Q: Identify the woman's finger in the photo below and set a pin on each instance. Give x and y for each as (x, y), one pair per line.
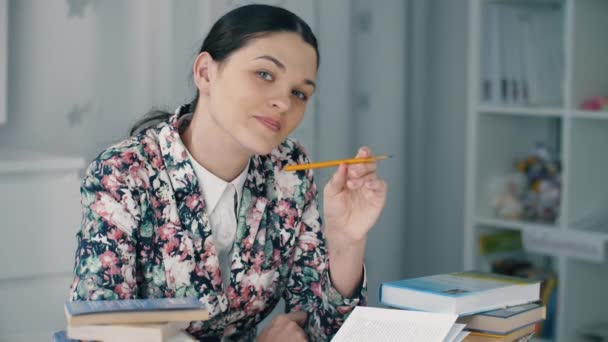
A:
(357, 170)
(365, 177)
(298, 317)
(337, 182)
(363, 152)
(375, 184)
(354, 184)
(377, 192)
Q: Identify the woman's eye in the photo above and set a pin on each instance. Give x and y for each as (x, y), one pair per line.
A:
(300, 95)
(265, 75)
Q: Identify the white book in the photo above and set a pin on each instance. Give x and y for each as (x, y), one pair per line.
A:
(516, 17)
(555, 56)
(509, 54)
(531, 60)
(486, 77)
(544, 59)
(492, 53)
(149, 332)
(523, 23)
(388, 325)
(503, 52)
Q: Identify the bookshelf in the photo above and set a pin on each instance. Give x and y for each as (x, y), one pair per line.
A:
(3, 59)
(540, 101)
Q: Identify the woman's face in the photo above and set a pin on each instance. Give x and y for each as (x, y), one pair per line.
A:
(259, 94)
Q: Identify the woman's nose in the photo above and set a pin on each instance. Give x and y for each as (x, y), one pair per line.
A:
(282, 103)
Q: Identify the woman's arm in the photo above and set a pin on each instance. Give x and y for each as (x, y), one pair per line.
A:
(345, 263)
(105, 258)
(353, 201)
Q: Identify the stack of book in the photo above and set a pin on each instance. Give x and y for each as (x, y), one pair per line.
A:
(150, 320)
(493, 307)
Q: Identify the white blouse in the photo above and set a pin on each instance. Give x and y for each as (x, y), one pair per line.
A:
(222, 201)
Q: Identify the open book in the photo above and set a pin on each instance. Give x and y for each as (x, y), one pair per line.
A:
(378, 324)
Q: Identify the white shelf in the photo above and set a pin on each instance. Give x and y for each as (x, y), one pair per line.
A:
(590, 234)
(522, 226)
(499, 136)
(515, 225)
(522, 111)
(18, 161)
(583, 114)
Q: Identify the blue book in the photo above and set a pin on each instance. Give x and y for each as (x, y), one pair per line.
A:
(155, 310)
(461, 293)
(61, 336)
(97, 306)
(506, 320)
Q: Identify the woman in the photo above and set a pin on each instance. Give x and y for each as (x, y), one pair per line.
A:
(199, 205)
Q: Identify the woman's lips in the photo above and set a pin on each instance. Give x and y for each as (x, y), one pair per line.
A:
(271, 124)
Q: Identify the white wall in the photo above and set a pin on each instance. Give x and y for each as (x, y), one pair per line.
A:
(436, 137)
(84, 71)
(81, 72)
(447, 95)
(379, 121)
(3, 57)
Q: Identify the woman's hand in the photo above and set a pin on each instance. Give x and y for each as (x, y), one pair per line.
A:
(353, 200)
(287, 327)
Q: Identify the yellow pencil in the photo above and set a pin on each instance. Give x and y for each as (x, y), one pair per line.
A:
(331, 163)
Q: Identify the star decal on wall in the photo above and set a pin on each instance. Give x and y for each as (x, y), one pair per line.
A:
(76, 8)
(76, 115)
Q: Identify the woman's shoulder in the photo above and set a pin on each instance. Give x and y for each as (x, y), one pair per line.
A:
(140, 151)
(135, 148)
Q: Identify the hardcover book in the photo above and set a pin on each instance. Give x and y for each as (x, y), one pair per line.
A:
(157, 310)
(148, 332)
(520, 335)
(462, 293)
(505, 321)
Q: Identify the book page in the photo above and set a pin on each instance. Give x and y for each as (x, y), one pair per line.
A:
(378, 324)
(461, 336)
(453, 333)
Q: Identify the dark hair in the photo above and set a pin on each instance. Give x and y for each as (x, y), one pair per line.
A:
(232, 32)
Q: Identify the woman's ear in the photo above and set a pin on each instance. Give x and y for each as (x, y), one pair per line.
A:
(203, 72)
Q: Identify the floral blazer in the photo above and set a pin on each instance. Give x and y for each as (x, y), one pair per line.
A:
(145, 234)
